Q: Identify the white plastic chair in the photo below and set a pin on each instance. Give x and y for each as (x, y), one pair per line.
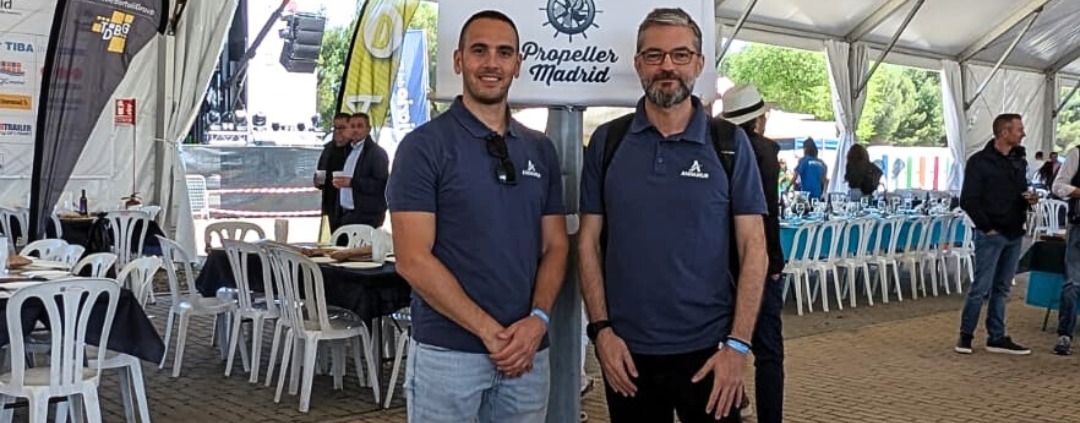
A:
(137, 277)
(402, 320)
(1050, 221)
(310, 323)
(800, 259)
(184, 304)
(10, 215)
(45, 249)
(365, 236)
(236, 230)
(963, 254)
(65, 375)
(99, 263)
(862, 231)
(72, 254)
(824, 257)
(128, 231)
(250, 307)
(56, 226)
(886, 254)
(151, 211)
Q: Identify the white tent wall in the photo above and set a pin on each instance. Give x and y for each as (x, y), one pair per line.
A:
(189, 58)
(952, 95)
(848, 67)
(1010, 91)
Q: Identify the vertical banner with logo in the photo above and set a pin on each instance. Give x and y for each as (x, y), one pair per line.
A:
(409, 105)
(373, 59)
(98, 38)
(576, 52)
(24, 30)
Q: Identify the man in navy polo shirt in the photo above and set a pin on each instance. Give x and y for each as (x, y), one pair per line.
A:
(480, 234)
(662, 302)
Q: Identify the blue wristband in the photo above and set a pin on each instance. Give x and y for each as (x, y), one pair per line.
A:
(542, 315)
(737, 345)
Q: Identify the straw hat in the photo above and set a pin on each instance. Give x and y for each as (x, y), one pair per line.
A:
(742, 103)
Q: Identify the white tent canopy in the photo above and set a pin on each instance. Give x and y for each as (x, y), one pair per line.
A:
(975, 34)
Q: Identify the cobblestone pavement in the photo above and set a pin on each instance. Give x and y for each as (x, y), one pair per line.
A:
(887, 363)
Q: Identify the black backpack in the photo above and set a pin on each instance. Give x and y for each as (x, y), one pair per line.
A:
(722, 133)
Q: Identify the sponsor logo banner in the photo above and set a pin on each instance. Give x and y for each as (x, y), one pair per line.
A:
(16, 102)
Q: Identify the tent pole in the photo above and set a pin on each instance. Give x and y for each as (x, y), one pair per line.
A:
(564, 127)
(1004, 56)
(1065, 100)
(892, 44)
(738, 27)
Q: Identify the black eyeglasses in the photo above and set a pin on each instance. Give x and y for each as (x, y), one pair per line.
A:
(504, 171)
(679, 56)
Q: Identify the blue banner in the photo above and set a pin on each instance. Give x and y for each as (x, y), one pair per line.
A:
(409, 107)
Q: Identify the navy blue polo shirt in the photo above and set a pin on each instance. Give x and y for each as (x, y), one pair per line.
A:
(487, 234)
(667, 279)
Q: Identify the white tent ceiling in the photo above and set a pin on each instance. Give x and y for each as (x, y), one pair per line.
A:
(941, 29)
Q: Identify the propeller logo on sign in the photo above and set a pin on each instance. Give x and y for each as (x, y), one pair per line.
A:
(571, 17)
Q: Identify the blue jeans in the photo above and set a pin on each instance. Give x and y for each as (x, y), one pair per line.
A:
(996, 258)
(1067, 311)
(768, 345)
(443, 385)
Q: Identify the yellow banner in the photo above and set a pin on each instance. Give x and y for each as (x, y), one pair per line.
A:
(15, 102)
(373, 60)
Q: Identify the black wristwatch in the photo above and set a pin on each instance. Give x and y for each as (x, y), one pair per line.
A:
(593, 329)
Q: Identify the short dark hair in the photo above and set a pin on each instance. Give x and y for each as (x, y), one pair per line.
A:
(809, 148)
(1003, 121)
(342, 115)
(1053, 154)
(488, 14)
(1038, 154)
(361, 115)
(669, 17)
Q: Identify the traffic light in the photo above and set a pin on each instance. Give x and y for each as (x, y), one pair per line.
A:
(303, 35)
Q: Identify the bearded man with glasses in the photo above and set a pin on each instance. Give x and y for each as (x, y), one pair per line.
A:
(480, 234)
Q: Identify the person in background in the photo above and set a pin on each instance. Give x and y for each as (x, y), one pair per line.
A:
(996, 199)
(1045, 174)
(332, 160)
(363, 191)
(1033, 171)
(1057, 165)
(785, 181)
(862, 176)
(811, 173)
(1067, 186)
(744, 106)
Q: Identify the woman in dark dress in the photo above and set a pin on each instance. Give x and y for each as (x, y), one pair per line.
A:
(862, 176)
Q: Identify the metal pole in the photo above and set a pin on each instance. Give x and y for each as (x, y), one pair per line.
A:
(1008, 52)
(564, 404)
(738, 27)
(1065, 100)
(884, 54)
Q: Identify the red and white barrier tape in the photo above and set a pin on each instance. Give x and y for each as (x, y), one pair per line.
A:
(272, 190)
(244, 213)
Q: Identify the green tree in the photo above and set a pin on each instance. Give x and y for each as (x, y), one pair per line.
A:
(335, 50)
(1068, 132)
(797, 80)
(903, 108)
(331, 66)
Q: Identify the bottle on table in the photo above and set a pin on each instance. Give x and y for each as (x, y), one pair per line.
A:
(82, 204)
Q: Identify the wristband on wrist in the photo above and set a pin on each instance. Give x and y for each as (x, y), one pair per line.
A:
(538, 312)
(740, 346)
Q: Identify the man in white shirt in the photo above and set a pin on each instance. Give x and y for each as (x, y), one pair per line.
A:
(1066, 186)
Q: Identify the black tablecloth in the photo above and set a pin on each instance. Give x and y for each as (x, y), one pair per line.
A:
(370, 293)
(1044, 256)
(131, 333)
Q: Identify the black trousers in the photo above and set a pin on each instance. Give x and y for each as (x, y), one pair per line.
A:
(664, 389)
(768, 348)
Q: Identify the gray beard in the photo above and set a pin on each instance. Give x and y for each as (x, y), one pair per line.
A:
(666, 100)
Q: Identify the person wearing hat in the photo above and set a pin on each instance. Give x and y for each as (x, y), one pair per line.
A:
(743, 106)
(672, 333)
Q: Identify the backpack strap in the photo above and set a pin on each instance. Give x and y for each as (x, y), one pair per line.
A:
(723, 138)
(617, 130)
